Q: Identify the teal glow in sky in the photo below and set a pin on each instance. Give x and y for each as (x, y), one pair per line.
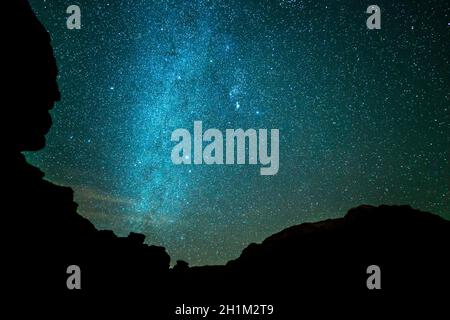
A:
(364, 116)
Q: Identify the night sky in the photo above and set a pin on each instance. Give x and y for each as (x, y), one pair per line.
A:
(364, 115)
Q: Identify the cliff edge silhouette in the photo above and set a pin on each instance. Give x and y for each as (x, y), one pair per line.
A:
(44, 231)
(44, 234)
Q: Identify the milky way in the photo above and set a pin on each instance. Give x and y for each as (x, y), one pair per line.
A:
(364, 115)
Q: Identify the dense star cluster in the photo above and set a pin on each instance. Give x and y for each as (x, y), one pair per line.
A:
(364, 115)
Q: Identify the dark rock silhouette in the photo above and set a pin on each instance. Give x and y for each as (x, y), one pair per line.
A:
(181, 266)
(325, 263)
(303, 266)
(44, 232)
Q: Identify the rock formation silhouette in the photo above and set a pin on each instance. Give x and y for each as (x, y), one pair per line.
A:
(302, 267)
(308, 266)
(45, 234)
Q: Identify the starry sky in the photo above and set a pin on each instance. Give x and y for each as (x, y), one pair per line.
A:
(364, 115)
